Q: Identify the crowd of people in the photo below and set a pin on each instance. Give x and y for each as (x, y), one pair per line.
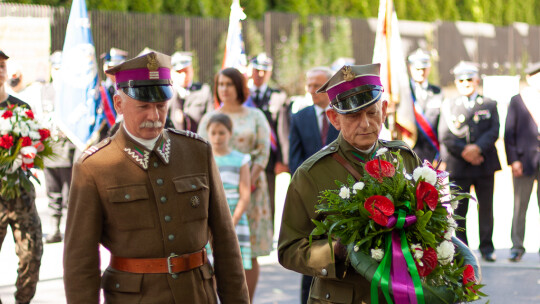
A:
(180, 187)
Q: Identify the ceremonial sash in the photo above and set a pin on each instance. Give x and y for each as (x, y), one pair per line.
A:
(107, 106)
(424, 126)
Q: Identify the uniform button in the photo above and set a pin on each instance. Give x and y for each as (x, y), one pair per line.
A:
(156, 164)
(324, 272)
(167, 218)
(193, 187)
(163, 199)
(171, 237)
(159, 181)
(127, 196)
(117, 285)
(332, 148)
(174, 276)
(327, 296)
(195, 201)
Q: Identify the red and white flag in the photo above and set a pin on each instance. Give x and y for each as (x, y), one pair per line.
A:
(388, 51)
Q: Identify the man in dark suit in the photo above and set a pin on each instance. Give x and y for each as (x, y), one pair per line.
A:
(522, 145)
(274, 105)
(468, 130)
(310, 131)
(427, 103)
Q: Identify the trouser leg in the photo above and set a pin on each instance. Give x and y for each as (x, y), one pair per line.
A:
(522, 193)
(484, 192)
(28, 246)
(271, 180)
(465, 187)
(306, 285)
(54, 185)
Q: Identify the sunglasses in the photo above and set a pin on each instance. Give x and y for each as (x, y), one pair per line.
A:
(467, 80)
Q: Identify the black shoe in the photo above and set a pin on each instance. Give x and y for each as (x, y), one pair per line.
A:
(515, 256)
(54, 238)
(489, 257)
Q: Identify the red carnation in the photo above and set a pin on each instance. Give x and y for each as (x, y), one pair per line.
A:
(380, 208)
(426, 192)
(6, 141)
(11, 106)
(429, 261)
(468, 276)
(7, 114)
(44, 134)
(26, 141)
(380, 168)
(30, 114)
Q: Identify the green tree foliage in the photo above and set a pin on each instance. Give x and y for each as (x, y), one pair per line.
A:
(177, 7)
(253, 39)
(449, 10)
(254, 8)
(288, 71)
(145, 6)
(493, 11)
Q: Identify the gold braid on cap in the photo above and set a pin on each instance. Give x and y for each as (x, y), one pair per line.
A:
(152, 64)
(348, 74)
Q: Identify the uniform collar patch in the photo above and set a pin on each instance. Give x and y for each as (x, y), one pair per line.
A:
(140, 156)
(163, 149)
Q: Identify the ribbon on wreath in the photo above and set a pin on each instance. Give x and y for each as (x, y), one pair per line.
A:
(397, 266)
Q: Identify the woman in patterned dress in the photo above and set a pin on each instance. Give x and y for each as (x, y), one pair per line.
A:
(251, 135)
(234, 171)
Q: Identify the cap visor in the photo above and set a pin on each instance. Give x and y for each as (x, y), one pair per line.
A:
(150, 93)
(357, 102)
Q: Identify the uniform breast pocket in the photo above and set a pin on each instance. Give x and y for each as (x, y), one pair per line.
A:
(192, 194)
(130, 207)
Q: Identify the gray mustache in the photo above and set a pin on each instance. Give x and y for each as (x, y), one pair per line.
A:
(151, 124)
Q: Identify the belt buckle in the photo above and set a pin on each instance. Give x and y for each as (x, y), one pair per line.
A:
(169, 264)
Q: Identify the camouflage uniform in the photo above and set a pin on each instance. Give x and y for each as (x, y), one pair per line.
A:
(21, 215)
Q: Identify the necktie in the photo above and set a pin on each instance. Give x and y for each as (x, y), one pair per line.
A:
(324, 129)
(256, 99)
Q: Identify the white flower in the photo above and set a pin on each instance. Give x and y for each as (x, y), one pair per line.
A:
(452, 223)
(428, 174)
(356, 248)
(381, 151)
(34, 135)
(445, 252)
(454, 205)
(377, 254)
(357, 187)
(418, 251)
(449, 233)
(344, 192)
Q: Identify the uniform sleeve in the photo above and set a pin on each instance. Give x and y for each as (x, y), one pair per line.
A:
(510, 129)
(261, 152)
(82, 273)
(231, 282)
(295, 144)
(486, 140)
(294, 251)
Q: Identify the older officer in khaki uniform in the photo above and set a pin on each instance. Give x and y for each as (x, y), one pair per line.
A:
(153, 198)
(358, 112)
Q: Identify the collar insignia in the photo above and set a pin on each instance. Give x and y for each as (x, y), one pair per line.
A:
(164, 149)
(139, 156)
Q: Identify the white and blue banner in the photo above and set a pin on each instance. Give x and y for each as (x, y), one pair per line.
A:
(77, 99)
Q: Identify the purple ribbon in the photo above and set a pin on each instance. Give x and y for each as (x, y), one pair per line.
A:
(402, 283)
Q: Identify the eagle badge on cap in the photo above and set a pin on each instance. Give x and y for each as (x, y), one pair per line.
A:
(348, 74)
(152, 62)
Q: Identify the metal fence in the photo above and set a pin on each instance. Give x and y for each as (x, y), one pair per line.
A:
(498, 50)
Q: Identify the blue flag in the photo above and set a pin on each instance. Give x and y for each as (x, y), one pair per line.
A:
(77, 99)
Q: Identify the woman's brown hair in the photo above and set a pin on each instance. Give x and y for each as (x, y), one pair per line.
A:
(239, 82)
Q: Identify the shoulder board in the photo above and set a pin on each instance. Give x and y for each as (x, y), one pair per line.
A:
(325, 151)
(196, 86)
(93, 149)
(187, 134)
(435, 88)
(396, 144)
(274, 90)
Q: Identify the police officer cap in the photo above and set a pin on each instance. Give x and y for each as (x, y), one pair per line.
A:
(180, 60)
(145, 78)
(114, 57)
(533, 69)
(419, 59)
(3, 55)
(56, 59)
(465, 70)
(262, 62)
(354, 87)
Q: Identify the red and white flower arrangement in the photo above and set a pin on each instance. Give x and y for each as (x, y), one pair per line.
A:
(24, 142)
(402, 225)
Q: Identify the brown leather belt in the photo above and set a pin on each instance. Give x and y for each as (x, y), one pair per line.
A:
(172, 264)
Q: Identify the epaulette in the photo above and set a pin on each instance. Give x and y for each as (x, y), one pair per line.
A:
(196, 86)
(93, 149)
(326, 150)
(187, 134)
(396, 144)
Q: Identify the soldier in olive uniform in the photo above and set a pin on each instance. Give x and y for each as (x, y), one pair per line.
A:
(274, 105)
(153, 197)
(358, 112)
(468, 130)
(427, 103)
(21, 215)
